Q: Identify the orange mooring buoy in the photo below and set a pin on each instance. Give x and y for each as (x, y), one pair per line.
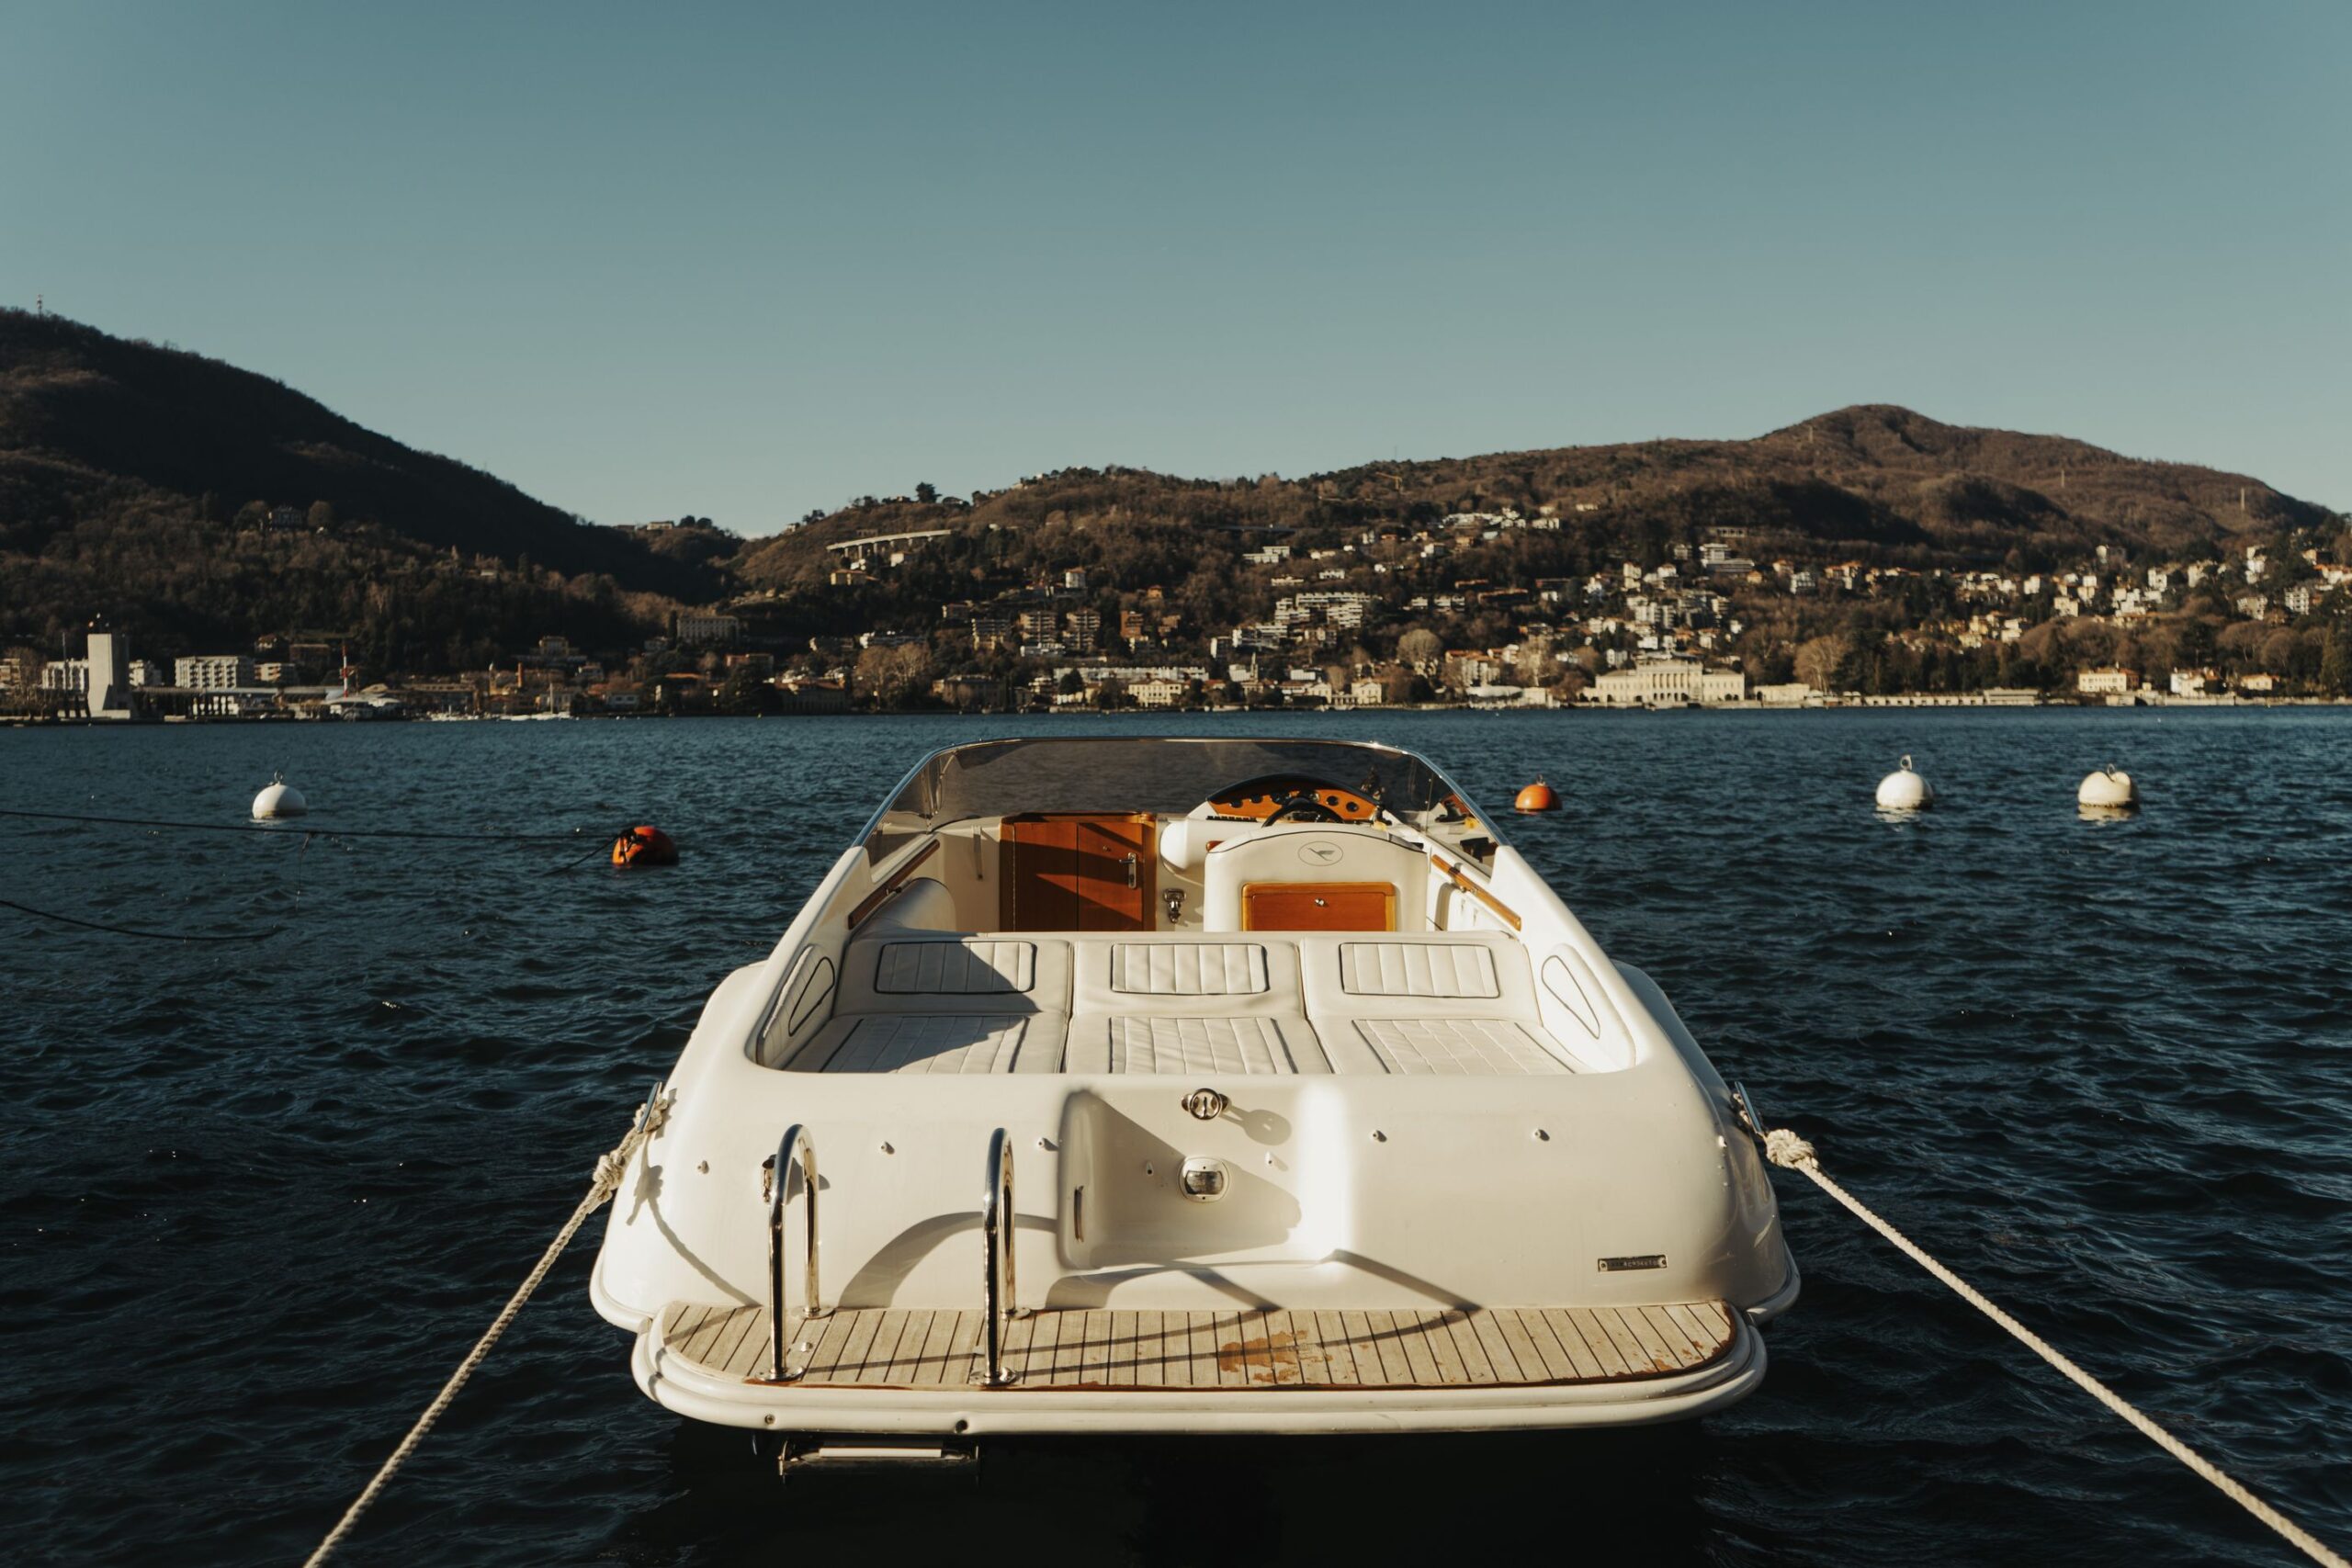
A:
(1537, 796)
(644, 845)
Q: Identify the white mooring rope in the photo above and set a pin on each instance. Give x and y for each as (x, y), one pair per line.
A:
(607, 1180)
(1783, 1147)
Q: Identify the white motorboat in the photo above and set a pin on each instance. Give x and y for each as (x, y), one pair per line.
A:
(1163, 1086)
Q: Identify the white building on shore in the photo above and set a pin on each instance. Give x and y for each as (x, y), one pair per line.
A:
(1667, 682)
(103, 676)
(212, 671)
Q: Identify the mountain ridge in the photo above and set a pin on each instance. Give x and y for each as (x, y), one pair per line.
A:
(179, 496)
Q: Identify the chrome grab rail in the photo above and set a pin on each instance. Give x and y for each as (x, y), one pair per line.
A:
(996, 1250)
(800, 1150)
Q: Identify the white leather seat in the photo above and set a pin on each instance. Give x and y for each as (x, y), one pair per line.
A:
(1312, 852)
(1452, 1003)
(934, 1043)
(914, 1002)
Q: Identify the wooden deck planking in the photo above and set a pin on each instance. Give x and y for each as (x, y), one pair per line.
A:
(1580, 1321)
(1486, 1329)
(1437, 1336)
(1239, 1350)
(1677, 1343)
(1331, 1341)
(1232, 1359)
(753, 1350)
(1363, 1352)
(1520, 1341)
(698, 1345)
(1662, 1359)
(1563, 1330)
(1102, 1350)
(906, 1362)
(733, 1328)
(1150, 1352)
(1411, 1330)
(1629, 1349)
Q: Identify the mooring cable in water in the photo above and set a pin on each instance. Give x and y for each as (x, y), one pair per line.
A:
(610, 1168)
(133, 931)
(1784, 1148)
(573, 837)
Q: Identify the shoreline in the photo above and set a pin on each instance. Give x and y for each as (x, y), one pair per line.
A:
(1937, 702)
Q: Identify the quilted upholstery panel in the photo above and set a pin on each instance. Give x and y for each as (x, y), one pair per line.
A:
(1198, 1046)
(950, 968)
(928, 1043)
(1417, 969)
(1189, 970)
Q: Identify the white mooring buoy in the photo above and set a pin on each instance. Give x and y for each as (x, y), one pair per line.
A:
(280, 799)
(2110, 788)
(1904, 790)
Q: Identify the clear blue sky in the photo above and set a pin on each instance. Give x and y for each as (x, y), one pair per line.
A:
(744, 261)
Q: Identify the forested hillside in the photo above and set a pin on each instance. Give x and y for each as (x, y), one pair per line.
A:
(1874, 482)
(192, 503)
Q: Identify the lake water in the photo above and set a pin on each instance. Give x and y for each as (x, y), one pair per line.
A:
(260, 1198)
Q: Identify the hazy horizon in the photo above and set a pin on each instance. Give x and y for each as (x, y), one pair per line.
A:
(745, 264)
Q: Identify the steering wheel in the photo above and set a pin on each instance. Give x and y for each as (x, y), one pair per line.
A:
(1278, 797)
(1301, 808)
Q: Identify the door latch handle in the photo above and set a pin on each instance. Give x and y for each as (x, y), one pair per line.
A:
(1134, 878)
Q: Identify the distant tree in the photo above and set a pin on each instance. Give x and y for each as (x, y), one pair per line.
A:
(745, 691)
(927, 493)
(321, 515)
(2335, 661)
(2193, 646)
(893, 677)
(1817, 660)
(1420, 648)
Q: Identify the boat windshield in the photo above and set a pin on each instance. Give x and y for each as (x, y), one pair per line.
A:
(1160, 774)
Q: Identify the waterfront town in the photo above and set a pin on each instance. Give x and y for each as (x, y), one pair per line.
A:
(1374, 618)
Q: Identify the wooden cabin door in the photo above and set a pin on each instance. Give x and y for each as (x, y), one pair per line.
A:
(1078, 873)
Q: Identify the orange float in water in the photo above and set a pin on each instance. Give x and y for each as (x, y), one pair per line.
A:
(644, 845)
(1537, 796)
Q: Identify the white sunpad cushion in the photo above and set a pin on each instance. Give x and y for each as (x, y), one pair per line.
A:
(1189, 970)
(1417, 969)
(1148, 1044)
(929, 1042)
(951, 968)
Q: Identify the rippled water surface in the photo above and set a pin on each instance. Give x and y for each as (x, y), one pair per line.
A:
(259, 1198)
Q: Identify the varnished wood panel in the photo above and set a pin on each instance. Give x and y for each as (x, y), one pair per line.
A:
(1318, 907)
(1076, 872)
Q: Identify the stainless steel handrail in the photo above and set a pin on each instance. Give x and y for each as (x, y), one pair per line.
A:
(797, 1149)
(996, 1250)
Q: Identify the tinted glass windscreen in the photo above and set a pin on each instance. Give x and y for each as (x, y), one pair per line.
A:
(1117, 774)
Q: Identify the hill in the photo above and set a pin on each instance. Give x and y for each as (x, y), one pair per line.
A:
(1876, 483)
(188, 500)
(199, 506)
(1872, 479)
